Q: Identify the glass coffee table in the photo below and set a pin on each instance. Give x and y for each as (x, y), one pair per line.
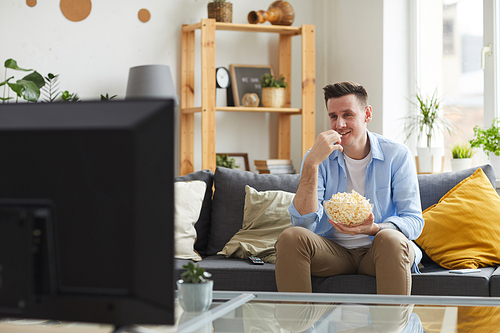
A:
(254, 312)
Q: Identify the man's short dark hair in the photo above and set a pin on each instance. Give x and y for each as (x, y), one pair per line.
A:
(340, 89)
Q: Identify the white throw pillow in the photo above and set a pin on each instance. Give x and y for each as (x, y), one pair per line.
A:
(188, 200)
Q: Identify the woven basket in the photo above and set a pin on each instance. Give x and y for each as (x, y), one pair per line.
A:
(273, 97)
(220, 11)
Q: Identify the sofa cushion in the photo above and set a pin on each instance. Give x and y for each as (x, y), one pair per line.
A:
(438, 281)
(229, 200)
(202, 226)
(434, 186)
(265, 217)
(463, 229)
(235, 274)
(188, 201)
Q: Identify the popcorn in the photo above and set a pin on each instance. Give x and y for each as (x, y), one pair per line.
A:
(348, 208)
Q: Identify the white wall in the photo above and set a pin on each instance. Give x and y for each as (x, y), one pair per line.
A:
(93, 56)
(370, 45)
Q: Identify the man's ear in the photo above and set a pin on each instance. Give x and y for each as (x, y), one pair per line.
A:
(368, 113)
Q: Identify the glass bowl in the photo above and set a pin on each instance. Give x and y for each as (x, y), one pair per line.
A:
(350, 214)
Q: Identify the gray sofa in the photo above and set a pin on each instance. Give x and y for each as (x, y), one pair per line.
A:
(221, 217)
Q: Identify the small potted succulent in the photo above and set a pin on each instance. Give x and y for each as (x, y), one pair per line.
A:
(461, 154)
(195, 288)
(489, 140)
(273, 91)
(220, 10)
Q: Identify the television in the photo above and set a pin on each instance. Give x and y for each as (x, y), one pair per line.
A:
(86, 211)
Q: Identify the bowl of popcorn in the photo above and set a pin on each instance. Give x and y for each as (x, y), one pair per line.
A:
(348, 208)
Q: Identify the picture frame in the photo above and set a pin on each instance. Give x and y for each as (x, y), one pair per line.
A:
(241, 160)
(246, 79)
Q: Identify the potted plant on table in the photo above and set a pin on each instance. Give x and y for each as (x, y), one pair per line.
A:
(461, 154)
(220, 10)
(195, 288)
(489, 141)
(273, 91)
(429, 120)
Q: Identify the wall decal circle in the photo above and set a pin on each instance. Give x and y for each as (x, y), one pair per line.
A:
(144, 15)
(31, 3)
(76, 10)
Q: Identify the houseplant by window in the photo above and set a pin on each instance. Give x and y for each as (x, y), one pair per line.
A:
(427, 123)
(489, 141)
(220, 10)
(195, 288)
(273, 91)
(461, 154)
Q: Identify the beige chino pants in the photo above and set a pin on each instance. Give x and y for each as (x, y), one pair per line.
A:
(301, 253)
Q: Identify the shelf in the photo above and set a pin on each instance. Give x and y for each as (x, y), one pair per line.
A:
(246, 109)
(208, 108)
(247, 28)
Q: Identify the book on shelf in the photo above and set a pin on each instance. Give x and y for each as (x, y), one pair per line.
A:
(272, 162)
(276, 169)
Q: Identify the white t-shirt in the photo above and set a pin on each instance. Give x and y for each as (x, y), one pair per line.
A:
(356, 174)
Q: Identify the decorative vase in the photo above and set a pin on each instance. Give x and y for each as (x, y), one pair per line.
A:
(495, 163)
(220, 11)
(195, 297)
(273, 97)
(458, 164)
(279, 13)
(430, 160)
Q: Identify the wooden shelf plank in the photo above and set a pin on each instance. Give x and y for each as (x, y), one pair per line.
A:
(245, 109)
(286, 30)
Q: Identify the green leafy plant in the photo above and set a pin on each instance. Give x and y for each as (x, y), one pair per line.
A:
(51, 89)
(488, 139)
(194, 274)
(462, 150)
(69, 97)
(107, 97)
(429, 120)
(269, 81)
(27, 88)
(223, 160)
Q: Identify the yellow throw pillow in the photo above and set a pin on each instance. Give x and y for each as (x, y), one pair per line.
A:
(265, 217)
(463, 229)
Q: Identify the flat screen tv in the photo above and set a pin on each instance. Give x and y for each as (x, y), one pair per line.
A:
(86, 211)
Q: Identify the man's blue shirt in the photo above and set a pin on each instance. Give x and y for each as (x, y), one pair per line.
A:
(391, 184)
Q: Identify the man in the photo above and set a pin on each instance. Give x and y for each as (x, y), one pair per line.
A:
(349, 157)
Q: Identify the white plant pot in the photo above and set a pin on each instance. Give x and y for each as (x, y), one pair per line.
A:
(430, 160)
(195, 297)
(458, 164)
(495, 163)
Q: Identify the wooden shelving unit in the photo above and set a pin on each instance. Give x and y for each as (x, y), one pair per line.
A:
(208, 108)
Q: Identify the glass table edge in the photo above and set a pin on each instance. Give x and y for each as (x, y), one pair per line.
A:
(360, 298)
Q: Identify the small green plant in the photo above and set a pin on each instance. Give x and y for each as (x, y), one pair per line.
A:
(107, 97)
(194, 274)
(429, 119)
(269, 81)
(488, 139)
(462, 150)
(27, 88)
(223, 160)
(69, 97)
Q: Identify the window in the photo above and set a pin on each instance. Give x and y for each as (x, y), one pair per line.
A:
(451, 35)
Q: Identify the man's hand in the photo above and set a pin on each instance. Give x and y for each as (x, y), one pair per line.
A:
(325, 144)
(368, 227)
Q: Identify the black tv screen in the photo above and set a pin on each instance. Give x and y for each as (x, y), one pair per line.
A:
(86, 211)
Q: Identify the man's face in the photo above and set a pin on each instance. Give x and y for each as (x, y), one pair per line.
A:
(349, 118)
